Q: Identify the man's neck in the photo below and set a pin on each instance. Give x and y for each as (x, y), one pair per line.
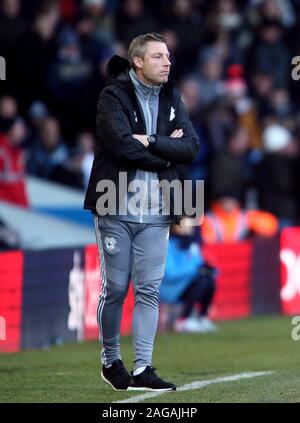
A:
(144, 81)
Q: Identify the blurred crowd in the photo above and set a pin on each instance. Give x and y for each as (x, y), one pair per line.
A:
(232, 60)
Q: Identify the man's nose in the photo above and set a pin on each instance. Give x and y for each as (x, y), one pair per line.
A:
(167, 62)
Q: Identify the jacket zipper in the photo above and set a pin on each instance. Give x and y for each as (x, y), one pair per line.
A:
(150, 125)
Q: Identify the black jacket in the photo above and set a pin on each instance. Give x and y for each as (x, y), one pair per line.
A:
(119, 116)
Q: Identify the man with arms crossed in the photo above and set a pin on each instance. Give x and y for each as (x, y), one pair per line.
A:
(143, 131)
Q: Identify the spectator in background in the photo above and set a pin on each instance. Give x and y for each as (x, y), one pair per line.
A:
(102, 19)
(186, 24)
(68, 77)
(280, 104)
(189, 280)
(133, 19)
(85, 28)
(276, 10)
(12, 27)
(34, 53)
(192, 99)
(261, 85)
(226, 221)
(219, 120)
(198, 169)
(8, 111)
(231, 167)
(209, 77)
(97, 52)
(191, 96)
(225, 20)
(271, 52)
(276, 174)
(37, 113)
(12, 163)
(236, 91)
(49, 151)
(95, 84)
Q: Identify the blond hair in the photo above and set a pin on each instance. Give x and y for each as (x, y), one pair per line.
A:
(137, 45)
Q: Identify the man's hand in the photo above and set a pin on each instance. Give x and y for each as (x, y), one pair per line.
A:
(142, 138)
(178, 133)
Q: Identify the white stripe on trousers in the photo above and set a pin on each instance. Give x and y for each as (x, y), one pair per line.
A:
(103, 280)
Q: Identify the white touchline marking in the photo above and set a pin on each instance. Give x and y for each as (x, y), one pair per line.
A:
(197, 385)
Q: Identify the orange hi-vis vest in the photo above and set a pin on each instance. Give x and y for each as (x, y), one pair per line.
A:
(222, 226)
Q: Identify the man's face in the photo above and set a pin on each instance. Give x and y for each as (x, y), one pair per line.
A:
(154, 67)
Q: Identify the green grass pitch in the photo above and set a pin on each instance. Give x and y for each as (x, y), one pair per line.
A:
(70, 373)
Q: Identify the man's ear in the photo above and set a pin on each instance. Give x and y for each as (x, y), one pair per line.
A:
(138, 62)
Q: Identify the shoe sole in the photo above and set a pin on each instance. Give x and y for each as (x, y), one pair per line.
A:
(109, 383)
(131, 388)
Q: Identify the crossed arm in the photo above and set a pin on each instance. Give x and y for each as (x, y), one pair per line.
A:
(178, 133)
(133, 149)
(181, 146)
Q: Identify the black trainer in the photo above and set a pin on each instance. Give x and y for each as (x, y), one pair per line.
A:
(149, 381)
(116, 376)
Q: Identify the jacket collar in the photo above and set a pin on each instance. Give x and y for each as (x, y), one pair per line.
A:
(118, 74)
